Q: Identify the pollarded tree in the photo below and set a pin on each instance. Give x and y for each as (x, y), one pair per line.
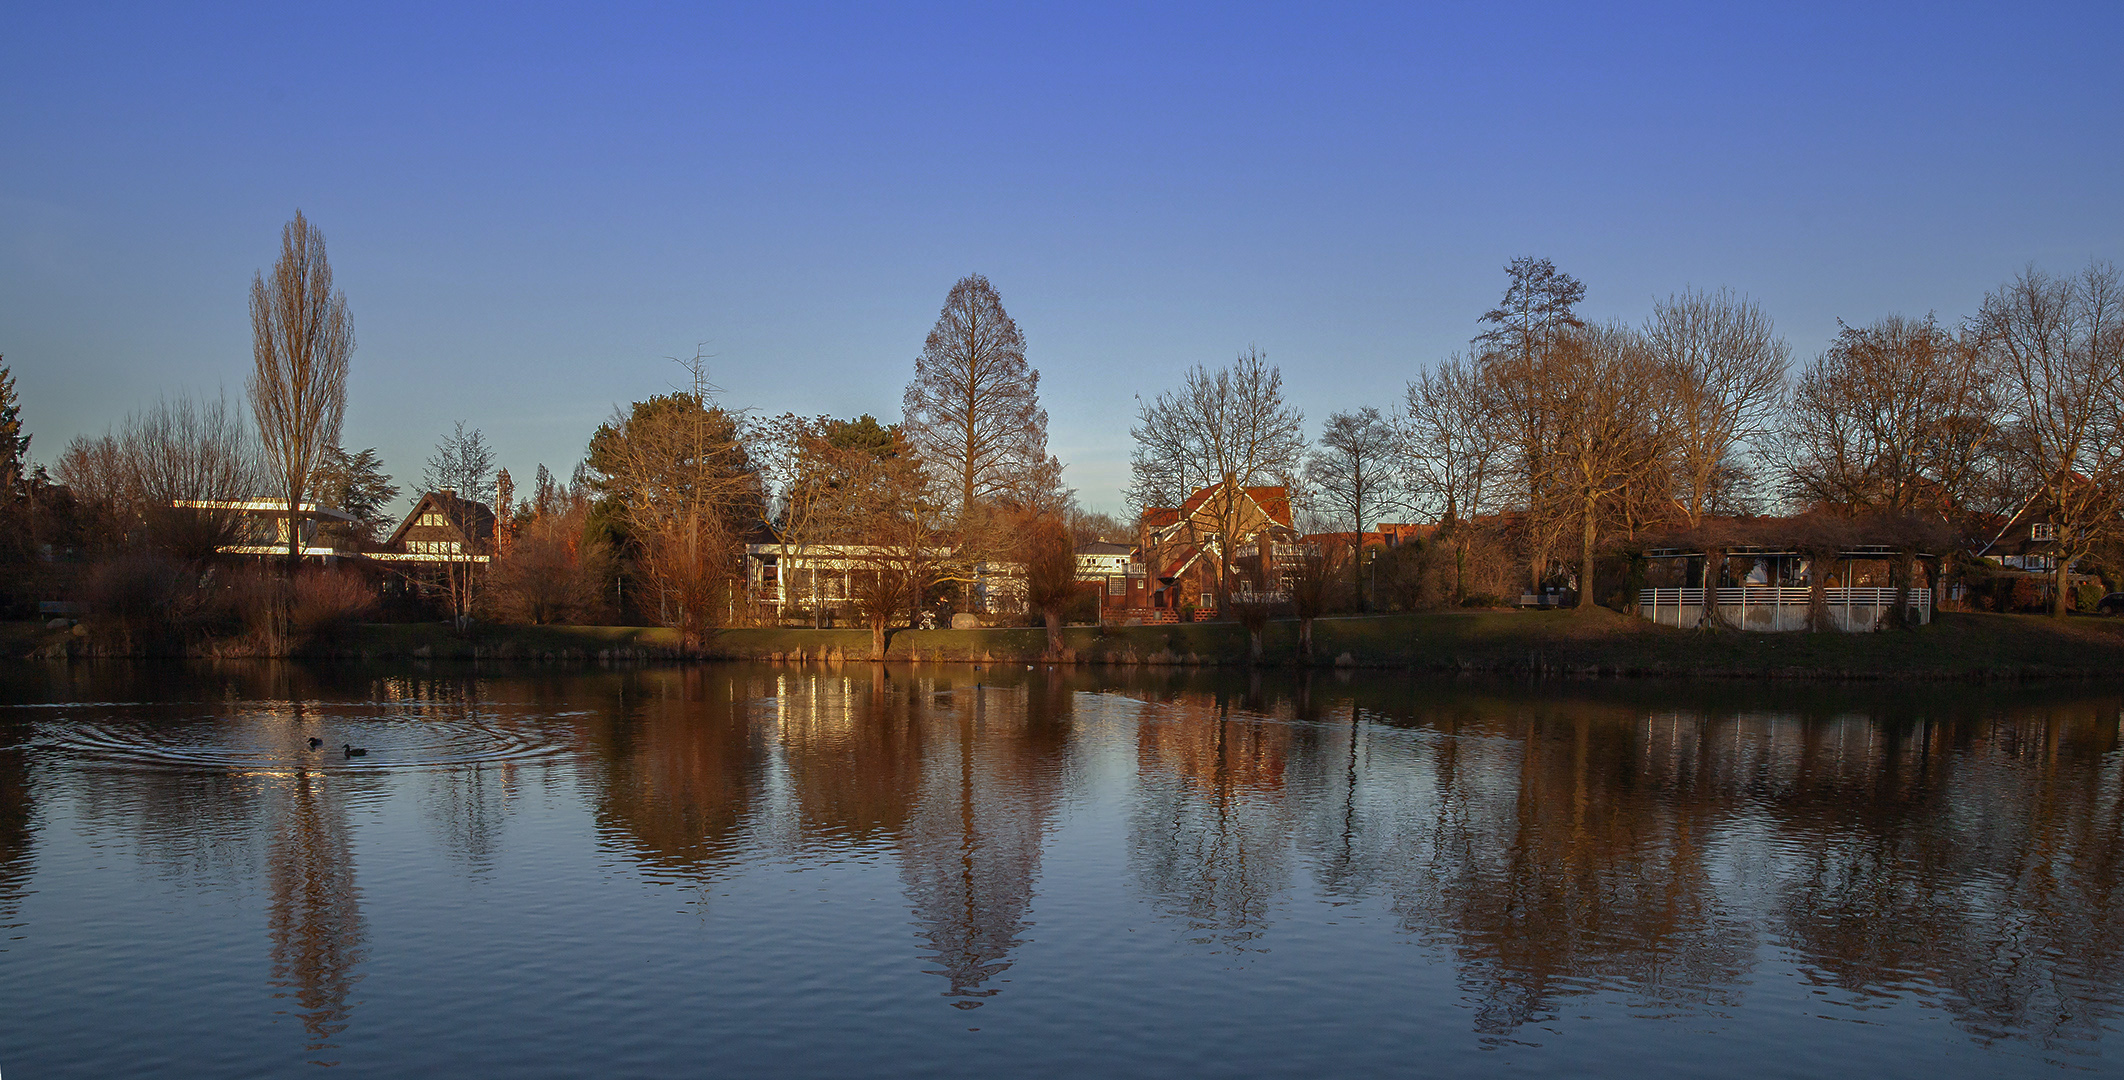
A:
(301, 339)
(1050, 573)
(973, 410)
(1354, 476)
(1225, 431)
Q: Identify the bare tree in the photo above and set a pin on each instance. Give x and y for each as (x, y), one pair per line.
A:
(1353, 475)
(686, 484)
(168, 478)
(802, 476)
(463, 463)
(1603, 438)
(462, 470)
(889, 515)
(301, 339)
(973, 410)
(1050, 574)
(1227, 431)
(2057, 346)
(1314, 576)
(1516, 355)
(555, 570)
(1895, 417)
(1720, 385)
(1450, 446)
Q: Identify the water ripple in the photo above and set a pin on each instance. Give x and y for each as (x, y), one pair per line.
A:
(393, 743)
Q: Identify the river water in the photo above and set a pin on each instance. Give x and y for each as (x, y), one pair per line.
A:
(754, 870)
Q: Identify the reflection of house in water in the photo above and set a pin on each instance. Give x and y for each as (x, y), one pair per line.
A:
(853, 751)
(1211, 833)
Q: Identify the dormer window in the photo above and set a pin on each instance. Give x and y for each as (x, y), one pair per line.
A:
(2042, 530)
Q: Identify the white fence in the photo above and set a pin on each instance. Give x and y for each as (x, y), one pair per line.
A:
(1775, 608)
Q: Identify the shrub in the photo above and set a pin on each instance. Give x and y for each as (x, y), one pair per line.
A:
(554, 571)
(323, 604)
(140, 601)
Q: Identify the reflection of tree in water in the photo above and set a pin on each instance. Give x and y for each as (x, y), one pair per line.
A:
(1551, 852)
(1593, 878)
(1211, 829)
(1977, 858)
(679, 765)
(17, 829)
(314, 916)
(468, 808)
(991, 773)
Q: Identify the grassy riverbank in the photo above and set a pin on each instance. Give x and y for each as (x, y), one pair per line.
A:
(1957, 646)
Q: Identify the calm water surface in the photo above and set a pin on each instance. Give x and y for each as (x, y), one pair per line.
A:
(759, 870)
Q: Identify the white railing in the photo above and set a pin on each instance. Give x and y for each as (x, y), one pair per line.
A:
(1772, 596)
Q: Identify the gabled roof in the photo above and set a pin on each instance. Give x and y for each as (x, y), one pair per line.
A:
(454, 510)
(1273, 502)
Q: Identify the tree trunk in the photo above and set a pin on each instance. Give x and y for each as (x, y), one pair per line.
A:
(1585, 558)
(1305, 642)
(1224, 579)
(1460, 572)
(1714, 568)
(2060, 600)
(1054, 633)
(1253, 645)
(877, 639)
(1905, 567)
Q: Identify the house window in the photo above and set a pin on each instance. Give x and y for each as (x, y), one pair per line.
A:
(1116, 586)
(2042, 530)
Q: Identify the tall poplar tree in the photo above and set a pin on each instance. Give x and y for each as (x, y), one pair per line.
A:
(301, 338)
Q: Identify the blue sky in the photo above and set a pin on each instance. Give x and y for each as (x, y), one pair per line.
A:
(530, 207)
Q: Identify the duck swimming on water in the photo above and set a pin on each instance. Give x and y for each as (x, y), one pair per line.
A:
(315, 742)
(355, 751)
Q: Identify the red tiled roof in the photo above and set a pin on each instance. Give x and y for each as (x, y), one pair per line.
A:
(1273, 501)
